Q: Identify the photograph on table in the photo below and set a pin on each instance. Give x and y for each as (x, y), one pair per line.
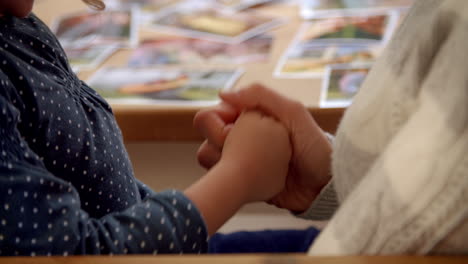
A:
(341, 83)
(90, 56)
(182, 50)
(329, 8)
(179, 87)
(238, 5)
(375, 26)
(107, 27)
(203, 21)
(148, 8)
(311, 60)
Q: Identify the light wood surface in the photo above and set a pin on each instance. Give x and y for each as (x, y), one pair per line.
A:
(148, 124)
(236, 259)
(155, 122)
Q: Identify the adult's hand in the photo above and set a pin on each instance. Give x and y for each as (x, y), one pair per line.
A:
(309, 169)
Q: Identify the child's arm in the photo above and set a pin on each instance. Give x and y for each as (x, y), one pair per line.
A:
(40, 214)
(253, 167)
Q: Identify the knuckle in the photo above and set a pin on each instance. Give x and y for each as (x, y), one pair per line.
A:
(252, 116)
(256, 89)
(296, 106)
(273, 126)
(283, 130)
(204, 163)
(201, 150)
(283, 133)
(278, 128)
(207, 156)
(200, 117)
(272, 122)
(296, 109)
(201, 158)
(256, 114)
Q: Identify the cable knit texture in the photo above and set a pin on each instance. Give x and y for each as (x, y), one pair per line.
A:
(400, 159)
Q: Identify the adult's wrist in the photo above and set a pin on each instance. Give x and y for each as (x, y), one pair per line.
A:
(319, 163)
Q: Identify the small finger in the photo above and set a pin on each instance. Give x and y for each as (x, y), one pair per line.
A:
(208, 155)
(212, 122)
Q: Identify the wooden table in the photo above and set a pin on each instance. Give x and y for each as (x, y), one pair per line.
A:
(236, 259)
(153, 122)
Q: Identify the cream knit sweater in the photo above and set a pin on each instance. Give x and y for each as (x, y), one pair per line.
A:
(400, 162)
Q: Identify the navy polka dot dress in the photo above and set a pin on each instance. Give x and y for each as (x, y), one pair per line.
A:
(66, 182)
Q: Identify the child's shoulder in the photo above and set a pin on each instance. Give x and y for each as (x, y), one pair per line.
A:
(27, 46)
(23, 32)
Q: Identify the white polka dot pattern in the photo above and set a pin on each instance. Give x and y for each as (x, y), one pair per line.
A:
(66, 182)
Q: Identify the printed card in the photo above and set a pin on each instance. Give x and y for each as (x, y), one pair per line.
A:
(238, 5)
(337, 40)
(89, 57)
(362, 27)
(109, 27)
(205, 22)
(148, 8)
(311, 60)
(162, 86)
(181, 50)
(328, 8)
(341, 84)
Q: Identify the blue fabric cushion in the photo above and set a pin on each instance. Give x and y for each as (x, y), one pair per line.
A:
(267, 241)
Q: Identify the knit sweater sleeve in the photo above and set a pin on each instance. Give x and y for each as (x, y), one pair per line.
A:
(413, 196)
(326, 203)
(324, 206)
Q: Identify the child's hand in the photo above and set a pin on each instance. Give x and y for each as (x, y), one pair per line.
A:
(258, 148)
(253, 167)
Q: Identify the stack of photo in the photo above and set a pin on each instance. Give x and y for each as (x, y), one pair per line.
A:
(197, 50)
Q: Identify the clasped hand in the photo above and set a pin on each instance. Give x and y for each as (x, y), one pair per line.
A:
(232, 128)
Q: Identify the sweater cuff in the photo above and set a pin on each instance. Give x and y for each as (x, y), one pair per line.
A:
(326, 203)
(324, 206)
